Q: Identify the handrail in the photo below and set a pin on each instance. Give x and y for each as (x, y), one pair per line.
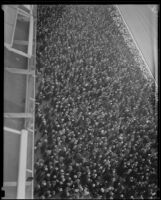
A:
(11, 130)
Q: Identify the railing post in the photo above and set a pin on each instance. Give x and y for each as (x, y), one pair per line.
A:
(21, 184)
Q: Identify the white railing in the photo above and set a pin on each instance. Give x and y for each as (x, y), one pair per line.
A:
(21, 183)
(30, 42)
(22, 168)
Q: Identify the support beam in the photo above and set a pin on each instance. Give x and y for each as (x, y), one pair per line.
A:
(21, 184)
(18, 115)
(20, 71)
(16, 51)
(14, 184)
(11, 130)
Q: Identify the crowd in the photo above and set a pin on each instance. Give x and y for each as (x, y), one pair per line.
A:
(96, 119)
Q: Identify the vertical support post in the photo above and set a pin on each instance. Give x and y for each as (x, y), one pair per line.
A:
(34, 54)
(21, 184)
(30, 37)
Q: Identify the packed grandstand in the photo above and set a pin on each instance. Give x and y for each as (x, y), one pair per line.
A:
(96, 108)
(88, 128)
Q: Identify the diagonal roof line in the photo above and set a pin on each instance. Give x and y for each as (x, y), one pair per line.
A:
(141, 54)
